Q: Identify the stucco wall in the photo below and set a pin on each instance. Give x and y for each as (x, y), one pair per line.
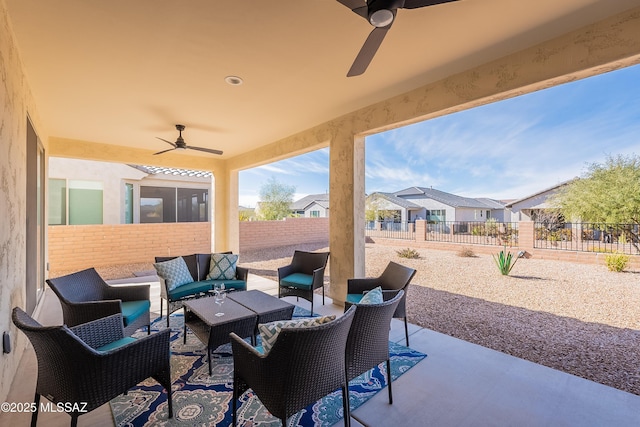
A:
(76, 247)
(290, 231)
(16, 102)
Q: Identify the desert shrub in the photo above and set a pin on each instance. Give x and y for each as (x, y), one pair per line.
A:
(466, 253)
(616, 262)
(505, 261)
(408, 253)
(478, 230)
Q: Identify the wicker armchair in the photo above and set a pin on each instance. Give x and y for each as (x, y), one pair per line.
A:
(84, 297)
(304, 275)
(86, 366)
(304, 365)
(392, 279)
(368, 342)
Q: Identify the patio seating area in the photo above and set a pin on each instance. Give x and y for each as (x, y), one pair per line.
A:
(459, 383)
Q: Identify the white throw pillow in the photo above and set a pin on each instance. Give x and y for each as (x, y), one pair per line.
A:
(374, 296)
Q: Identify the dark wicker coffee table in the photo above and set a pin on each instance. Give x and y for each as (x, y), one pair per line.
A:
(213, 331)
(267, 307)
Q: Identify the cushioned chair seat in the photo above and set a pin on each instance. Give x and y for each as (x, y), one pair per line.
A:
(238, 285)
(298, 280)
(190, 289)
(354, 298)
(116, 344)
(131, 310)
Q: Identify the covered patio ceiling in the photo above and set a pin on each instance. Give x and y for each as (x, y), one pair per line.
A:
(123, 72)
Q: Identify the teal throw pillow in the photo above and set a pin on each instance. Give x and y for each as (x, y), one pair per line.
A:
(175, 272)
(374, 296)
(269, 331)
(222, 267)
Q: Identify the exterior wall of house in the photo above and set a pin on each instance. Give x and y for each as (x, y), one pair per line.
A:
(111, 175)
(521, 211)
(430, 204)
(16, 103)
(322, 211)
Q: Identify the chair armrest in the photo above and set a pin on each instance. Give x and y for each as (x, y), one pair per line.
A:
(76, 313)
(101, 331)
(128, 292)
(248, 362)
(318, 278)
(358, 286)
(242, 273)
(285, 271)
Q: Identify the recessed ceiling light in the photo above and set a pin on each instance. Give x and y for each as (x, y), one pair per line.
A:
(233, 80)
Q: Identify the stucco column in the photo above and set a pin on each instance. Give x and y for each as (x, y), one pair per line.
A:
(225, 230)
(346, 222)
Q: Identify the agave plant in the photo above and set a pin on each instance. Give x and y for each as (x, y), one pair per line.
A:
(505, 261)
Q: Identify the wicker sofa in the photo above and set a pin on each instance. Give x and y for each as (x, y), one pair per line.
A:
(198, 265)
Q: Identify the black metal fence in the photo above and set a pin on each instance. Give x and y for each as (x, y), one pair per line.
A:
(464, 232)
(588, 237)
(391, 229)
(490, 233)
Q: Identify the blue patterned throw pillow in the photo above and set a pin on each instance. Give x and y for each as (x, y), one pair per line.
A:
(222, 267)
(374, 296)
(175, 272)
(269, 331)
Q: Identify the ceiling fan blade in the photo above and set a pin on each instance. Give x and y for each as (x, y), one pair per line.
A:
(168, 142)
(368, 51)
(206, 150)
(357, 6)
(160, 152)
(415, 4)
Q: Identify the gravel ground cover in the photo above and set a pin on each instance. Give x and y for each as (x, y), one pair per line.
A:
(578, 318)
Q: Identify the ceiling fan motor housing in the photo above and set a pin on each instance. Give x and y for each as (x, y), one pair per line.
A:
(381, 12)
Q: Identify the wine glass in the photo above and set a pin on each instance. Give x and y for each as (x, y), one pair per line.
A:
(218, 287)
(219, 297)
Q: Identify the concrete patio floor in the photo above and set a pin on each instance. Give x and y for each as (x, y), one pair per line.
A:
(458, 384)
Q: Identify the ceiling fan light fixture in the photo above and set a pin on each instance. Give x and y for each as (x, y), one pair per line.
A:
(233, 80)
(381, 18)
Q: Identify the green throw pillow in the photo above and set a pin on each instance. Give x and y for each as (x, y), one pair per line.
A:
(222, 267)
(175, 272)
(374, 296)
(269, 331)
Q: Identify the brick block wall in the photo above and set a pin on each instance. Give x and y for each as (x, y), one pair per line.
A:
(290, 231)
(75, 247)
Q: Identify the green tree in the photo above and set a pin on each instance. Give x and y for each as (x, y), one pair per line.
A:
(606, 193)
(275, 199)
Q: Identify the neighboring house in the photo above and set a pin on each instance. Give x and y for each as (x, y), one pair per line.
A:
(312, 206)
(438, 206)
(389, 207)
(90, 192)
(527, 208)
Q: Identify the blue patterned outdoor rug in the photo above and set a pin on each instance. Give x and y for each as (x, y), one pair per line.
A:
(203, 400)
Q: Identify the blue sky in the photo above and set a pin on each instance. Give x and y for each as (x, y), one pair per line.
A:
(505, 150)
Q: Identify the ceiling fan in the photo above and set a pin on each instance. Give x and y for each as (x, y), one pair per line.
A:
(381, 14)
(181, 145)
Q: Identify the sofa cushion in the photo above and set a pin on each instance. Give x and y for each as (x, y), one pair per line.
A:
(374, 296)
(354, 298)
(131, 310)
(175, 272)
(236, 285)
(269, 331)
(190, 289)
(222, 267)
(297, 280)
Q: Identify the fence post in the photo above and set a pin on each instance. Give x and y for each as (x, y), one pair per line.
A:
(526, 235)
(421, 230)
